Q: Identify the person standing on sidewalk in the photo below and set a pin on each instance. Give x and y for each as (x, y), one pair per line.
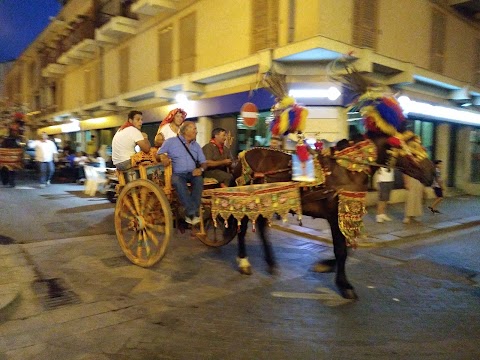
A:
(45, 154)
(385, 178)
(437, 187)
(413, 202)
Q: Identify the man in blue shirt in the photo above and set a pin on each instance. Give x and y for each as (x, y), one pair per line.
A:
(187, 168)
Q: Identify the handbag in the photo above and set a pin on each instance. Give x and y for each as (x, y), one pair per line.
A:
(197, 163)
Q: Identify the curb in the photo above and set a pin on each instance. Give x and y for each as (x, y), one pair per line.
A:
(369, 242)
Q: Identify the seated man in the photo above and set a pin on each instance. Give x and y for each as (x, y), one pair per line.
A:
(219, 158)
(188, 164)
(125, 139)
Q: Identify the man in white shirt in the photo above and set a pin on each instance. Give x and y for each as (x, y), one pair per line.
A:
(124, 141)
(45, 153)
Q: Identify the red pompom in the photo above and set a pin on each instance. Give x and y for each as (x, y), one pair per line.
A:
(302, 152)
(393, 141)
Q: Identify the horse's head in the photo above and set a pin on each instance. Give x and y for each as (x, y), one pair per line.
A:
(405, 153)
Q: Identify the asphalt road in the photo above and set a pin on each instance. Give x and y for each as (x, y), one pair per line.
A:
(417, 301)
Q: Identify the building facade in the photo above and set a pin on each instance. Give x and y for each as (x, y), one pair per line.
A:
(98, 59)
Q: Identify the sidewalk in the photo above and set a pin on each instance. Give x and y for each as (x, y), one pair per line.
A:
(456, 213)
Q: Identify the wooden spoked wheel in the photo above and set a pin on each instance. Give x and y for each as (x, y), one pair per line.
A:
(143, 222)
(215, 236)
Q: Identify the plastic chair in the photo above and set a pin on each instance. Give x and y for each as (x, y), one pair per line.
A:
(94, 179)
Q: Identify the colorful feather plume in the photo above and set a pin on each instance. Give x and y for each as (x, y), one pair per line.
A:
(289, 117)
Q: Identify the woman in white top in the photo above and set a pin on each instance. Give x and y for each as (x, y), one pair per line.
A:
(385, 179)
(171, 124)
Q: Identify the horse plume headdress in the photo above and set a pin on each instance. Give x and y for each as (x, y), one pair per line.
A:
(380, 111)
(288, 115)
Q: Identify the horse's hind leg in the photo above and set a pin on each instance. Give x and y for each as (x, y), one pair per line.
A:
(340, 249)
(242, 260)
(267, 246)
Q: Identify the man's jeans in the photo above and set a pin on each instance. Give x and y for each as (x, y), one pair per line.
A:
(47, 169)
(190, 200)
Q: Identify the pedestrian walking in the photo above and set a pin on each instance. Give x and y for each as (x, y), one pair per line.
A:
(437, 187)
(414, 200)
(45, 154)
(385, 181)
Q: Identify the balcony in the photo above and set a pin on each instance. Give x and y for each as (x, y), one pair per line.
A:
(153, 7)
(53, 70)
(116, 29)
(83, 50)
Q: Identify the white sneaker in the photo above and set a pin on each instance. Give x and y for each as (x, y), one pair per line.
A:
(195, 220)
(379, 218)
(48, 182)
(386, 217)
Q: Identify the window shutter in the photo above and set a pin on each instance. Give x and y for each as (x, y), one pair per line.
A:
(365, 23)
(187, 44)
(165, 54)
(437, 50)
(264, 24)
(124, 59)
(476, 78)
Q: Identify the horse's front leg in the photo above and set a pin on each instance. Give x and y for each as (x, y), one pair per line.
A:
(262, 224)
(242, 259)
(340, 250)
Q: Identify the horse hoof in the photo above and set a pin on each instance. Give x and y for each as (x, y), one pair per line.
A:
(244, 266)
(349, 294)
(245, 270)
(323, 268)
(272, 270)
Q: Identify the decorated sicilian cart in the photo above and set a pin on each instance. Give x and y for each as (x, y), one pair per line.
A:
(11, 159)
(147, 209)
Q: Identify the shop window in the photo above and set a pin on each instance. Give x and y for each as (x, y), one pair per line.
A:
(365, 23)
(426, 131)
(258, 135)
(475, 159)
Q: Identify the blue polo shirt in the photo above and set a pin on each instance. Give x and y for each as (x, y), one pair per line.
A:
(182, 162)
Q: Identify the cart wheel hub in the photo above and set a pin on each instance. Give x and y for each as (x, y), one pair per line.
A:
(137, 224)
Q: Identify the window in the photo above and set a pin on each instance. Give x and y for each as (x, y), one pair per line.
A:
(475, 159)
(365, 23)
(426, 131)
(124, 59)
(165, 54)
(437, 46)
(264, 24)
(187, 44)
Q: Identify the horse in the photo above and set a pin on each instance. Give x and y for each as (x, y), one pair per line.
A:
(269, 165)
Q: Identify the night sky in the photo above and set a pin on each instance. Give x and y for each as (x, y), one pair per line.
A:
(21, 21)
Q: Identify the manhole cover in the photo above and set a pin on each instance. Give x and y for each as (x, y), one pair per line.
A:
(53, 293)
(116, 261)
(5, 240)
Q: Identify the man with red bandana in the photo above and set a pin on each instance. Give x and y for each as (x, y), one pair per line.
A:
(219, 158)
